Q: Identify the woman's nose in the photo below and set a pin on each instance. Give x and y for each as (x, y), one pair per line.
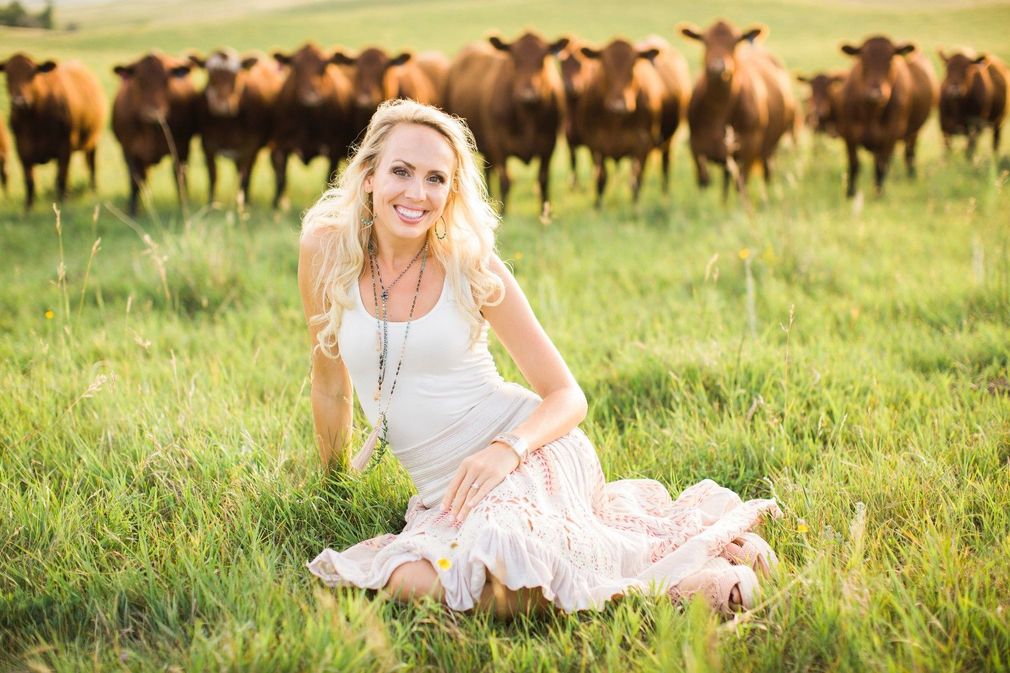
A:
(415, 189)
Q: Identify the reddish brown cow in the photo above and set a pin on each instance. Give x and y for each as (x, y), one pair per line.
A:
(511, 96)
(824, 102)
(885, 99)
(375, 77)
(972, 96)
(576, 72)
(56, 110)
(235, 112)
(435, 67)
(741, 105)
(632, 104)
(312, 116)
(154, 116)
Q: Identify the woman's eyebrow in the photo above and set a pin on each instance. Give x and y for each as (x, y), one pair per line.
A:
(413, 167)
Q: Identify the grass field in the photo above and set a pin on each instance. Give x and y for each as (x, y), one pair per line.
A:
(160, 491)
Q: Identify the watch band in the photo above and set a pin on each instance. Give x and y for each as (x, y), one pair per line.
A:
(513, 441)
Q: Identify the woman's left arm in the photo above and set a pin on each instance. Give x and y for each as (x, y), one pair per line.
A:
(563, 407)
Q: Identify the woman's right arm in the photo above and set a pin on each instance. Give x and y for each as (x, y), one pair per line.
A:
(331, 393)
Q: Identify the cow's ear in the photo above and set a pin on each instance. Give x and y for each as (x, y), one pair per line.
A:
(850, 50)
(401, 59)
(754, 33)
(836, 79)
(3, 64)
(249, 61)
(282, 58)
(903, 49)
(943, 56)
(179, 70)
(589, 52)
(48, 66)
(340, 58)
(198, 60)
(124, 71)
(690, 31)
(979, 60)
(559, 44)
(803, 78)
(649, 54)
(498, 43)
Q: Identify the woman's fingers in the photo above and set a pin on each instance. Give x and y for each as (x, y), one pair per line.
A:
(450, 492)
(463, 490)
(479, 493)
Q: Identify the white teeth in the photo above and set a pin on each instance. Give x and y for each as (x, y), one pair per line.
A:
(409, 213)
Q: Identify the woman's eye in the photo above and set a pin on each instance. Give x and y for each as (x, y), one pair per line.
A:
(438, 179)
(399, 170)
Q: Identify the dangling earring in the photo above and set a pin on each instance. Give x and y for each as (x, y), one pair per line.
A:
(445, 230)
(367, 221)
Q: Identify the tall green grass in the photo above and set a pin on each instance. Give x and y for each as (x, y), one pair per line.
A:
(159, 487)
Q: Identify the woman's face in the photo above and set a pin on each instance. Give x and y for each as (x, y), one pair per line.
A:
(410, 184)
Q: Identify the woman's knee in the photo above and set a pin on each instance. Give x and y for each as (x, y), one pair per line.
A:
(414, 579)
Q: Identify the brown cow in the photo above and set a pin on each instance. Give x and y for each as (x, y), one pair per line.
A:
(375, 77)
(885, 99)
(435, 66)
(511, 96)
(154, 116)
(973, 96)
(576, 71)
(312, 116)
(741, 105)
(235, 112)
(56, 110)
(824, 102)
(632, 104)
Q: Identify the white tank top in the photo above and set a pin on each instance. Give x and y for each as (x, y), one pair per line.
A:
(440, 379)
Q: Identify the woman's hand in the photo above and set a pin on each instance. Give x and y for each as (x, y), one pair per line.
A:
(486, 468)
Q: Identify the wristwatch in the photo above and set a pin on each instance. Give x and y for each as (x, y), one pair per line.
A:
(515, 442)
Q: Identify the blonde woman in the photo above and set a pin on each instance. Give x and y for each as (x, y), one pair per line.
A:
(400, 284)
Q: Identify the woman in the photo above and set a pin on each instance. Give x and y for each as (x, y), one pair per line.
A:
(400, 284)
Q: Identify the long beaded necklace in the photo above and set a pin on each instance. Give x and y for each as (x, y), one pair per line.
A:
(379, 433)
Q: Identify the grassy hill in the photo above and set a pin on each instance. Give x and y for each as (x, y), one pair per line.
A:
(159, 487)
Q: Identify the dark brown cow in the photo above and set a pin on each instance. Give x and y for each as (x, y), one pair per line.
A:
(824, 102)
(632, 105)
(235, 112)
(154, 116)
(885, 99)
(375, 77)
(576, 71)
(312, 116)
(511, 96)
(972, 96)
(741, 105)
(56, 110)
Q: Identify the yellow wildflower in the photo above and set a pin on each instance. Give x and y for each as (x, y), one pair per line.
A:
(49, 314)
(744, 253)
(519, 255)
(444, 563)
(854, 312)
(802, 527)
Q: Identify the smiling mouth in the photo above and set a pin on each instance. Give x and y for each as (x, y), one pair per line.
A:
(409, 214)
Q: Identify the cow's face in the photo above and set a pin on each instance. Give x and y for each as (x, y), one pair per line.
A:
(151, 77)
(617, 67)
(21, 71)
(819, 114)
(721, 41)
(573, 69)
(371, 68)
(960, 70)
(226, 74)
(308, 71)
(529, 53)
(877, 68)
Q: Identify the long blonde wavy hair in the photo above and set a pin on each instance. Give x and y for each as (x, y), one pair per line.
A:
(470, 222)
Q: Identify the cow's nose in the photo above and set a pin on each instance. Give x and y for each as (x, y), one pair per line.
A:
(310, 98)
(19, 101)
(528, 96)
(952, 90)
(618, 105)
(875, 94)
(364, 101)
(716, 68)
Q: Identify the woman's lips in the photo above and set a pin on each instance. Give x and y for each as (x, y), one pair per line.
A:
(409, 215)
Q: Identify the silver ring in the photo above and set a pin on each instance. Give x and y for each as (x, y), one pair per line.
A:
(474, 485)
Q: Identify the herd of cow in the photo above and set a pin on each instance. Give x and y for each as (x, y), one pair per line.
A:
(621, 100)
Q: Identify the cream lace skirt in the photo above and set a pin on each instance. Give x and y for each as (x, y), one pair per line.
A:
(554, 523)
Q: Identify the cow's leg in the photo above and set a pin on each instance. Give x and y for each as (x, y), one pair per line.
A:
(181, 188)
(882, 159)
(910, 143)
(853, 152)
(600, 165)
(89, 158)
(637, 169)
(505, 183)
(62, 173)
(29, 172)
(973, 133)
(3, 174)
(245, 167)
(138, 175)
(701, 169)
(995, 139)
(543, 178)
(334, 165)
(279, 161)
(574, 179)
(211, 159)
(664, 156)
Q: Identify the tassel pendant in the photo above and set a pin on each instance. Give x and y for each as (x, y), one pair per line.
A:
(361, 459)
